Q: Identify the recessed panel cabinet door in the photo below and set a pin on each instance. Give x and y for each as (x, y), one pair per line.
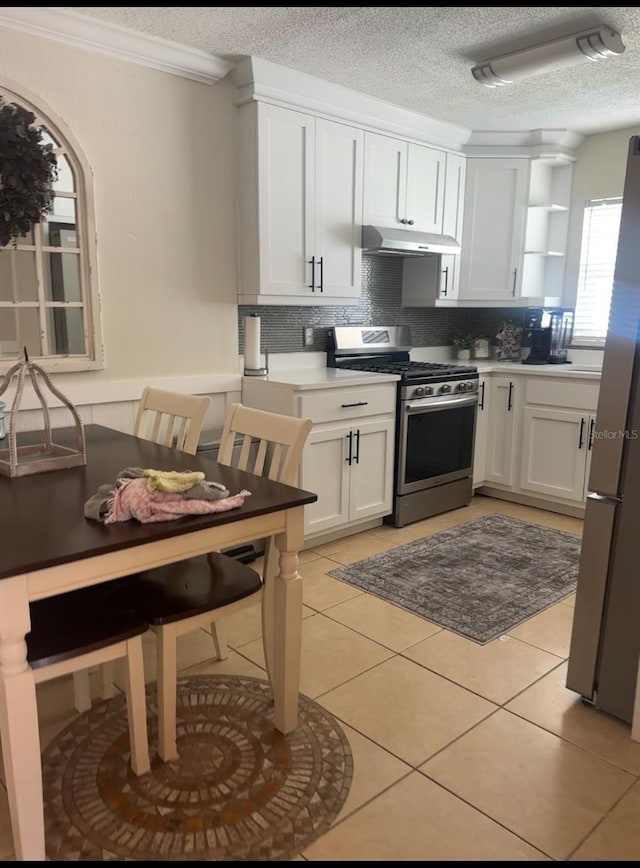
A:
(554, 452)
(338, 195)
(493, 228)
(452, 218)
(502, 432)
(425, 188)
(482, 432)
(325, 471)
(371, 488)
(385, 181)
(287, 226)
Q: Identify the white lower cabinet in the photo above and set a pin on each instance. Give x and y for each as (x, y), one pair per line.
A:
(482, 432)
(559, 421)
(555, 449)
(350, 467)
(534, 437)
(348, 460)
(502, 431)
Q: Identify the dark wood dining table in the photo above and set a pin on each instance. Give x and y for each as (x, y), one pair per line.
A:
(48, 547)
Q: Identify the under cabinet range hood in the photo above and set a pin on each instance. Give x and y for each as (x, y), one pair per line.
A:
(388, 241)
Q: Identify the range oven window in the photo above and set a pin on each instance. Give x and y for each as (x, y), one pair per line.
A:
(437, 443)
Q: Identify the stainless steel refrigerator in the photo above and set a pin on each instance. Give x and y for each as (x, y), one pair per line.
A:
(605, 641)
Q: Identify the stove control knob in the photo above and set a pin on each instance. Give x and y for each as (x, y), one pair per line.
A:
(422, 391)
(445, 387)
(462, 387)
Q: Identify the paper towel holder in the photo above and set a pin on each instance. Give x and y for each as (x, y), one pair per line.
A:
(259, 372)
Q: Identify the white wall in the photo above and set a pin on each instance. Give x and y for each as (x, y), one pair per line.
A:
(598, 173)
(161, 148)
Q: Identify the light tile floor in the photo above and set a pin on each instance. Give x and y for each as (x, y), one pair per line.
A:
(461, 751)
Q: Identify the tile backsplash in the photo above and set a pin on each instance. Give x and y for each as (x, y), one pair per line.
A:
(282, 327)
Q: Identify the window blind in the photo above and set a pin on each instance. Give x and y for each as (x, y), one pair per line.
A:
(597, 264)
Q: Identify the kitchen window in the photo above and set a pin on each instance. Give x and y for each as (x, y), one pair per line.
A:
(600, 230)
(48, 281)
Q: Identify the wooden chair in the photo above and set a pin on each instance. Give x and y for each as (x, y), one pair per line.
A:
(267, 444)
(187, 595)
(170, 419)
(86, 628)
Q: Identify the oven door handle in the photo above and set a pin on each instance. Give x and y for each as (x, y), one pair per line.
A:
(446, 404)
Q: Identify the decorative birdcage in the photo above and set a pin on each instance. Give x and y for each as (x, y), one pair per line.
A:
(46, 455)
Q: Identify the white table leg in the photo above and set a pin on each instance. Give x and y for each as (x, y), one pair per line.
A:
(269, 572)
(19, 731)
(287, 625)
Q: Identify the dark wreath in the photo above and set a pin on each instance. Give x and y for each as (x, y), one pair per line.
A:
(28, 169)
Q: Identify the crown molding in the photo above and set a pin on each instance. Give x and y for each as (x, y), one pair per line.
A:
(263, 81)
(76, 30)
(552, 145)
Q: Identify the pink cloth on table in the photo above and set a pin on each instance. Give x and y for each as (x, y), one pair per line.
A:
(131, 499)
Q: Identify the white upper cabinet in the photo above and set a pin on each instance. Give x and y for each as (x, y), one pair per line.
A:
(300, 208)
(433, 281)
(403, 184)
(338, 207)
(515, 230)
(494, 222)
(454, 192)
(385, 181)
(425, 188)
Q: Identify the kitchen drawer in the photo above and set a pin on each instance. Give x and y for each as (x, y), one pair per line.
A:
(330, 405)
(568, 395)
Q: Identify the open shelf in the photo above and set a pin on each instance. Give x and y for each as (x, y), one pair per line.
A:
(543, 253)
(549, 207)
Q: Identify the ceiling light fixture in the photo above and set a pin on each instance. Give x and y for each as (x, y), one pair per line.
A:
(595, 44)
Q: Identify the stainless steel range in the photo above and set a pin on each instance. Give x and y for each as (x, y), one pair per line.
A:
(435, 418)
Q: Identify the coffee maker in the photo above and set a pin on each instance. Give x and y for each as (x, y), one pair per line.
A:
(549, 331)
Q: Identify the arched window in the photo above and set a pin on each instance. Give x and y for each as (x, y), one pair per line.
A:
(49, 302)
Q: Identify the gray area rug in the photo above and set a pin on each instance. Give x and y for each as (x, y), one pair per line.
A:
(478, 579)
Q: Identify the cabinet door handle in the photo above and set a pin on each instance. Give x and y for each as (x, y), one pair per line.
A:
(402, 220)
(509, 401)
(592, 426)
(350, 439)
(312, 263)
(321, 287)
(355, 404)
(445, 271)
(515, 278)
(482, 385)
(410, 222)
(581, 437)
(357, 455)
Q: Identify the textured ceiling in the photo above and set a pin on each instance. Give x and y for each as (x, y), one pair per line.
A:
(420, 56)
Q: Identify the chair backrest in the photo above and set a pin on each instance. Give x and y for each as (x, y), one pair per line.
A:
(267, 444)
(170, 418)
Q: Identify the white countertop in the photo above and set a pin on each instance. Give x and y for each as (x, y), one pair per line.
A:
(583, 372)
(321, 378)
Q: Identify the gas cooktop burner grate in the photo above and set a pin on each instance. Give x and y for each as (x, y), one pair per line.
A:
(409, 369)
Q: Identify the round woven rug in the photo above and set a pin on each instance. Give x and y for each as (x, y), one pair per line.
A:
(239, 791)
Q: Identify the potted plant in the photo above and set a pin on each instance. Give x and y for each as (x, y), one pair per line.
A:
(463, 344)
(28, 169)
